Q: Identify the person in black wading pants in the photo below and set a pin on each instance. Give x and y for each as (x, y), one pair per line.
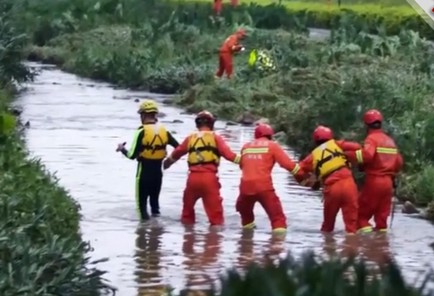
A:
(149, 148)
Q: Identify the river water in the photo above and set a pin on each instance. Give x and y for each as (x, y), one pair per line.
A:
(75, 125)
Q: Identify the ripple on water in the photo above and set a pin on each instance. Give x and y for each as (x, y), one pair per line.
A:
(75, 127)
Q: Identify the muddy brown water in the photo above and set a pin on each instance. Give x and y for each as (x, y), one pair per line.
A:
(75, 125)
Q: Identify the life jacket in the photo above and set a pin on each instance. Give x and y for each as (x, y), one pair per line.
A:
(328, 158)
(202, 149)
(154, 142)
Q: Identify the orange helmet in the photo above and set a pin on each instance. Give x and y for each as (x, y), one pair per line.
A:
(322, 133)
(263, 130)
(372, 116)
(205, 117)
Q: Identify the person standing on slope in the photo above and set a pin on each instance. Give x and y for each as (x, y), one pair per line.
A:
(258, 158)
(226, 52)
(381, 161)
(204, 148)
(149, 149)
(329, 163)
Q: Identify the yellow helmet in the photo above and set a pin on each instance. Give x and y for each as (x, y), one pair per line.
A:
(148, 106)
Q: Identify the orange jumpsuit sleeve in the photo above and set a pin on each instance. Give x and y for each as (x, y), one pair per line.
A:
(306, 165)
(284, 160)
(365, 154)
(181, 150)
(225, 151)
(233, 44)
(306, 168)
(350, 149)
(348, 146)
(241, 153)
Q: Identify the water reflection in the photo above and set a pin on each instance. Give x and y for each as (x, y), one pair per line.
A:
(248, 246)
(374, 248)
(201, 255)
(148, 259)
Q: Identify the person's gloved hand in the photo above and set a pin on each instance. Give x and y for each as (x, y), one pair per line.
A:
(309, 181)
(242, 49)
(316, 185)
(121, 146)
(167, 163)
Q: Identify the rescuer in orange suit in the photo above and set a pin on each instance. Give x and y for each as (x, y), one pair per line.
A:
(228, 48)
(329, 164)
(257, 161)
(381, 161)
(204, 148)
(217, 7)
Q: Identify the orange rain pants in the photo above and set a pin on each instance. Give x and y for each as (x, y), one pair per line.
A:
(375, 201)
(271, 204)
(205, 185)
(217, 7)
(341, 194)
(225, 65)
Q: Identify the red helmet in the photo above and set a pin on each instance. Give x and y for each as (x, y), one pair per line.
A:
(205, 117)
(322, 133)
(263, 130)
(372, 116)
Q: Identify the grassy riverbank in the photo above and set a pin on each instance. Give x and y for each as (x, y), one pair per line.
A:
(331, 82)
(41, 251)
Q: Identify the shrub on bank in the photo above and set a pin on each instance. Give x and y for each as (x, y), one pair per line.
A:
(313, 277)
(41, 251)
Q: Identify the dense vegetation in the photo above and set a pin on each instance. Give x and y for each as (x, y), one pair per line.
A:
(41, 251)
